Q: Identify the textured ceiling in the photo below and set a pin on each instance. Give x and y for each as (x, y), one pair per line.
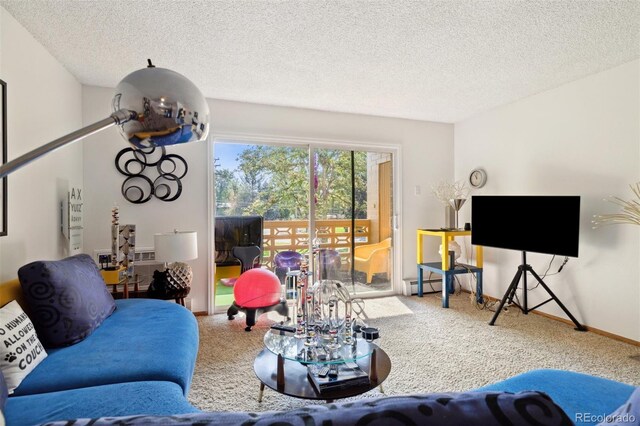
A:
(428, 60)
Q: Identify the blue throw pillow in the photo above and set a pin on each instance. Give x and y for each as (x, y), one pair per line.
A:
(4, 391)
(68, 298)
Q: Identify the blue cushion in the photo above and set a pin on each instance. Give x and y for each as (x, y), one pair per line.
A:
(144, 339)
(4, 391)
(67, 298)
(155, 398)
(626, 414)
(576, 393)
(446, 409)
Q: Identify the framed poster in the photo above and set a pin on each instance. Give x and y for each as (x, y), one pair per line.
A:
(3, 137)
(72, 220)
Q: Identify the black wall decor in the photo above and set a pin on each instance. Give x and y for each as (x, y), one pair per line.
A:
(3, 135)
(150, 172)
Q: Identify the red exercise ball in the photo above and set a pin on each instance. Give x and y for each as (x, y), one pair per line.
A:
(257, 288)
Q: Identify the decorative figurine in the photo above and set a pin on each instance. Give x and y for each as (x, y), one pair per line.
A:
(115, 217)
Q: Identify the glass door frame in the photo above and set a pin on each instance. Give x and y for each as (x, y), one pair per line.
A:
(312, 144)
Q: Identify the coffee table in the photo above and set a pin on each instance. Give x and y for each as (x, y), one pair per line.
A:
(277, 367)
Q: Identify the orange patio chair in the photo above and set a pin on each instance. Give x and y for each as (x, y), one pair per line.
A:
(373, 259)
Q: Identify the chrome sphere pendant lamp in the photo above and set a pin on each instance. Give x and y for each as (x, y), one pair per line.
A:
(152, 107)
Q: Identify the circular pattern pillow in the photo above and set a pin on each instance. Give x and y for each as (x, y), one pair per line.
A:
(68, 298)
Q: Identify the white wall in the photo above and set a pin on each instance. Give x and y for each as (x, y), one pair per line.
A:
(427, 156)
(43, 104)
(582, 138)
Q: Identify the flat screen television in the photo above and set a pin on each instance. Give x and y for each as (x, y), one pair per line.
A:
(232, 231)
(532, 223)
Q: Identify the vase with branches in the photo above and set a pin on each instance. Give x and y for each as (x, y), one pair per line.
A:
(629, 214)
(451, 195)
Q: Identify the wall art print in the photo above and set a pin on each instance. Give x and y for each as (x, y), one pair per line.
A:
(151, 172)
(3, 136)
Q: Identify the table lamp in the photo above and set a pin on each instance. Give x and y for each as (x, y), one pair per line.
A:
(152, 106)
(173, 248)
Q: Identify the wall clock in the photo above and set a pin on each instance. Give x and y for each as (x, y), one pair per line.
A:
(477, 178)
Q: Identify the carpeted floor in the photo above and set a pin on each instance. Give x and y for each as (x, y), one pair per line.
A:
(431, 350)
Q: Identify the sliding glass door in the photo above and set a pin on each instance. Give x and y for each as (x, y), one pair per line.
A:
(268, 181)
(353, 217)
(336, 201)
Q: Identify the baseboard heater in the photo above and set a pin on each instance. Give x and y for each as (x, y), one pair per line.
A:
(411, 286)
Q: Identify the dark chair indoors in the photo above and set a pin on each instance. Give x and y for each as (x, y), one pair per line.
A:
(256, 290)
(248, 256)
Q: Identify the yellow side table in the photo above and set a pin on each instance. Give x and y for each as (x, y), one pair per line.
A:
(444, 268)
(114, 277)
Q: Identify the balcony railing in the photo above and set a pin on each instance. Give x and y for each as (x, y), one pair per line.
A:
(281, 235)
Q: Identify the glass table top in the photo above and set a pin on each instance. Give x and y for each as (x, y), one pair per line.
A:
(294, 349)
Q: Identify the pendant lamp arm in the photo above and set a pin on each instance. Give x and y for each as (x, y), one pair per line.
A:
(117, 118)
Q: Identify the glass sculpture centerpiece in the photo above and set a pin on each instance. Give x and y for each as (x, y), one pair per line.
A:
(325, 328)
(324, 336)
(323, 317)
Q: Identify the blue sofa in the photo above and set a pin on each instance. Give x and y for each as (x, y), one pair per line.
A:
(140, 360)
(568, 398)
(577, 394)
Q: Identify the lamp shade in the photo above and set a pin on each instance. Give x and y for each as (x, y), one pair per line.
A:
(152, 107)
(176, 246)
(168, 108)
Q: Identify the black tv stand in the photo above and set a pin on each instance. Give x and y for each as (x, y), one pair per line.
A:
(511, 292)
